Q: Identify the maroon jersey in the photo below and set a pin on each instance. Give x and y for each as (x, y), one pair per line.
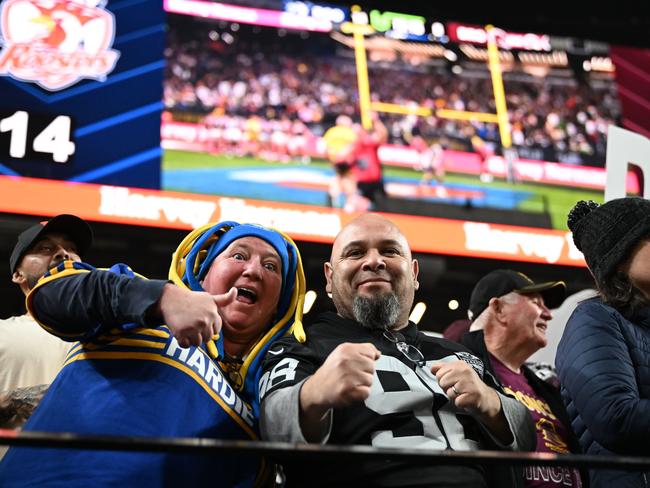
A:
(551, 434)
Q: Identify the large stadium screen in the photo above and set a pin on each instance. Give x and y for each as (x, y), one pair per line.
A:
(296, 105)
(299, 115)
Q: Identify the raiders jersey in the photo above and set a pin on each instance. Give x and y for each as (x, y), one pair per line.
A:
(406, 408)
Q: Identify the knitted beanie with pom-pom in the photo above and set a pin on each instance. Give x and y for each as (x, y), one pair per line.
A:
(606, 234)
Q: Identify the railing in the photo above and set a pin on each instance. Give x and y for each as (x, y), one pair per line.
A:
(280, 450)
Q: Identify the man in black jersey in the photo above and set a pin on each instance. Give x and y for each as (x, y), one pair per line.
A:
(367, 376)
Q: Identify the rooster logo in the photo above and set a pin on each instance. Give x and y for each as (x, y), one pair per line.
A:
(56, 43)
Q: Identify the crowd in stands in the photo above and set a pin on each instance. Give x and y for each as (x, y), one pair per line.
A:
(314, 80)
(220, 351)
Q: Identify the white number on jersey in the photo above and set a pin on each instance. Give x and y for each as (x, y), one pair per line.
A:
(285, 370)
(419, 399)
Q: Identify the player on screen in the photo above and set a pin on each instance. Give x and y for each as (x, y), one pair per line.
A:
(484, 152)
(431, 163)
(367, 169)
(339, 143)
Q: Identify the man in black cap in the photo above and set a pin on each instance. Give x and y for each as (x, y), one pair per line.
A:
(510, 315)
(30, 358)
(45, 245)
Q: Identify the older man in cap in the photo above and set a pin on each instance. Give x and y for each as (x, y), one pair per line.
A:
(30, 358)
(510, 315)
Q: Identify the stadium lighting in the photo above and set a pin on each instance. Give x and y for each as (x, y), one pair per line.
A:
(417, 312)
(453, 304)
(310, 298)
(451, 55)
(359, 16)
(438, 29)
(601, 63)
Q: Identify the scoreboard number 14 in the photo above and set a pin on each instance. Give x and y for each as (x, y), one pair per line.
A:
(54, 139)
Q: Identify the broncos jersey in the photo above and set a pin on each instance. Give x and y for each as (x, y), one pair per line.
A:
(129, 380)
(406, 408)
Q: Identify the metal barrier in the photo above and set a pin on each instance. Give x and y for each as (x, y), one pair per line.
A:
(282, 450)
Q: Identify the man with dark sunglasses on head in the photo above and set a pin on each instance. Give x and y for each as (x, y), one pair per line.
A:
(367, 376)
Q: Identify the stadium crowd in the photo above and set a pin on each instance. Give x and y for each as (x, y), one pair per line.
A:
(221, 351)
(313, 82)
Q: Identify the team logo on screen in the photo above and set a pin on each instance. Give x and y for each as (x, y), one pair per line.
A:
(56, 43)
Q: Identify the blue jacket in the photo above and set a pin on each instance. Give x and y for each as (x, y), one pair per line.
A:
(603, 361)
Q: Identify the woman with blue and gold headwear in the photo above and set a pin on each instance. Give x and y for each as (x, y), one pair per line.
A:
(236, 288)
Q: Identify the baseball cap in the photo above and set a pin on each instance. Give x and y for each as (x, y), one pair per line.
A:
(503, 281)
(75, 228)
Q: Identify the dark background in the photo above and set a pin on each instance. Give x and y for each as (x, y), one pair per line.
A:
(622, 22)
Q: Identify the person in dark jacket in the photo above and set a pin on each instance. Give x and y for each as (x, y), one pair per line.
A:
(603, 358)
(509, 320)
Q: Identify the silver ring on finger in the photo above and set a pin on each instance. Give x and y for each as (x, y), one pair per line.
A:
(456, 392)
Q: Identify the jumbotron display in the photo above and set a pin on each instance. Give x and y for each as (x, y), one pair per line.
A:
(299, 115)
(452, 113)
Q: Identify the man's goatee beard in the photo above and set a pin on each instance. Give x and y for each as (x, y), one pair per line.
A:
(376, 312)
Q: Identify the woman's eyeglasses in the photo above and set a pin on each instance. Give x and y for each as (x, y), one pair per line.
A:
(411, 353)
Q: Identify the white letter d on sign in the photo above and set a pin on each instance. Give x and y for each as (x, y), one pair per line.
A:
(625, 147)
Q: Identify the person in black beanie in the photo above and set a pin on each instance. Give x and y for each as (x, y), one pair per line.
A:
(603, 359)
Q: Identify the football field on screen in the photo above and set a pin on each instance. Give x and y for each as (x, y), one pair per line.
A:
(307, 183)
